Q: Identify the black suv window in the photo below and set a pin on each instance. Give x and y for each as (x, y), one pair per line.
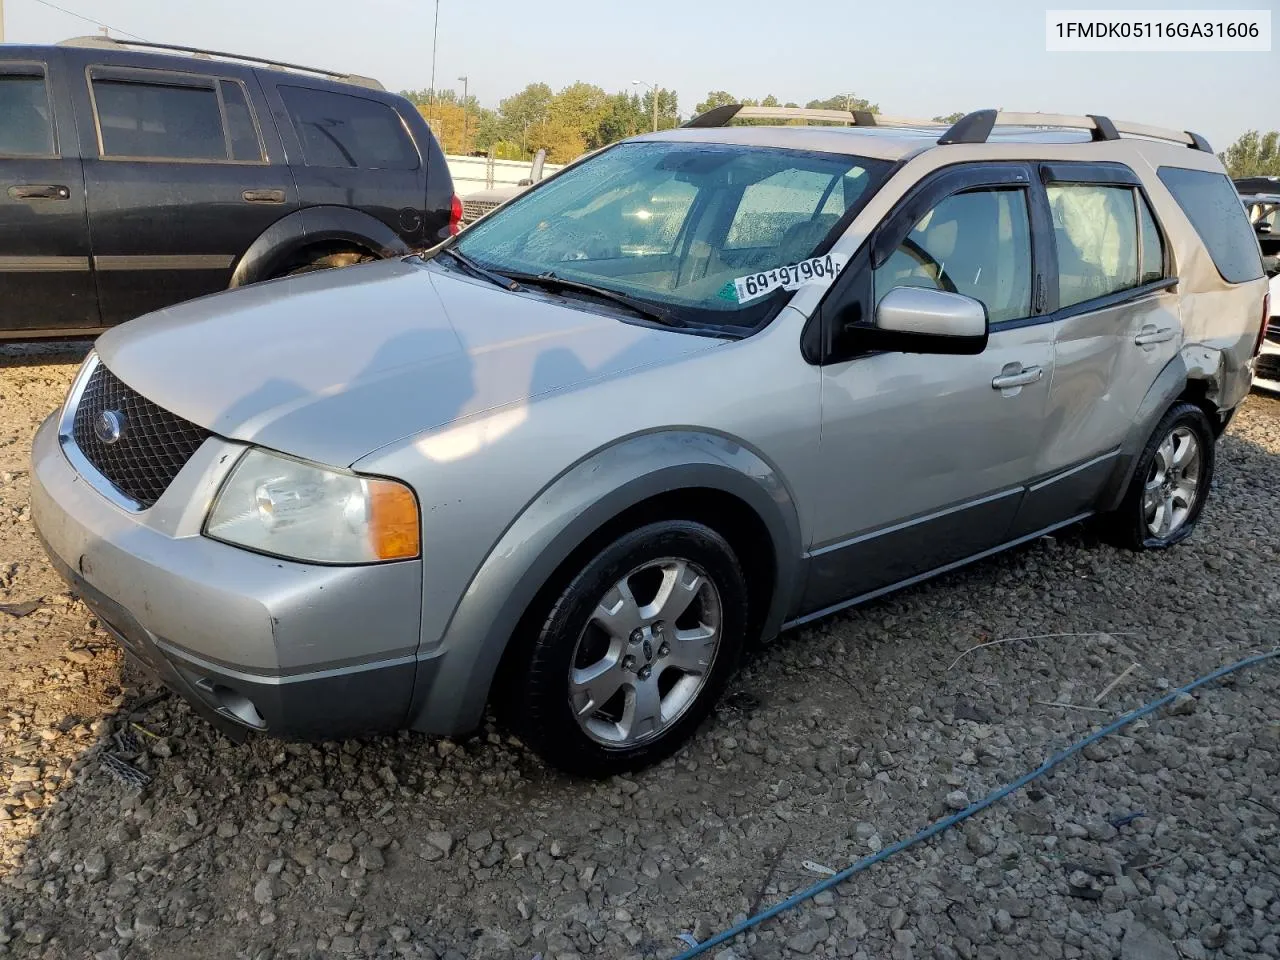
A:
(1212, 205)
(338, 130)
(245, 144)
(26, 127)
(159, 121)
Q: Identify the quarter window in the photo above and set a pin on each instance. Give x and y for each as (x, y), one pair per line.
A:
(338, 130)
(976, 243)
(159, 121)
(1214, 209)
(245, 144)
(26, 127)
(1097, 239)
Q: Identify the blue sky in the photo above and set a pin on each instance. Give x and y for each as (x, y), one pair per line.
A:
(916, 58)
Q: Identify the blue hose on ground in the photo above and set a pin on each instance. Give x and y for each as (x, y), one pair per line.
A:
(948, 822)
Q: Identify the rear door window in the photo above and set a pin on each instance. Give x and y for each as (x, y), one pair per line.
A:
(159, 120)
(245, 143)
(26, 122)
(1097, 239)
(1212, 205)
(338, 130)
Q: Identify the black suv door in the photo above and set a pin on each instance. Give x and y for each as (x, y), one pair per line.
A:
(354, 150)
(184, 170)
(45, 281)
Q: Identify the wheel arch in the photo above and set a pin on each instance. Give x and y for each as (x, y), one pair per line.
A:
(325, 228)
(669, 474)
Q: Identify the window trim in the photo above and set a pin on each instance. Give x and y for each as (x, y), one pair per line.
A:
(1109, 175)
(34, 69)
(385, 104)
(170, 78)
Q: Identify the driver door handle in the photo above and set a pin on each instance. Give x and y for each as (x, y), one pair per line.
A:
(1151, 334)
(39, 191)
(1009, 379)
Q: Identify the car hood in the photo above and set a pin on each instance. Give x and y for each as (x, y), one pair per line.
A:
(331, 366)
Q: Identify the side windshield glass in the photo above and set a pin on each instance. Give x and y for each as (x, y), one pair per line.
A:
(677, 223)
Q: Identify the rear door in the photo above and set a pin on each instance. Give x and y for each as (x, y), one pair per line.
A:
(1116, 327)
(355, 151)
(182, 173)
(45, 282)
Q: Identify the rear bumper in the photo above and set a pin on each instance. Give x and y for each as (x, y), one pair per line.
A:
(253, 642)
(1266, 368)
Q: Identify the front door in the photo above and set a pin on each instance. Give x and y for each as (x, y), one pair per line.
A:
(180, 182)
(45, 281)
(924, 458)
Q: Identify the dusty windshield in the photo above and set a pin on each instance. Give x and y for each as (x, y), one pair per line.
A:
(676, 224)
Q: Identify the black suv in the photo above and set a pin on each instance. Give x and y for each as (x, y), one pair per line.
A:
(134, 176)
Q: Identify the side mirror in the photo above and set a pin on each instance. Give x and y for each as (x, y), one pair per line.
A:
(1271, 266)
(921, 320)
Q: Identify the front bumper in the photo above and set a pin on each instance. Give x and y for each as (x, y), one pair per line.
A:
(292, 649)
(1266, 368)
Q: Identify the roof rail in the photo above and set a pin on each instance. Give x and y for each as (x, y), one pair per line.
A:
(112, 43)
(722, 115)
(976, 127)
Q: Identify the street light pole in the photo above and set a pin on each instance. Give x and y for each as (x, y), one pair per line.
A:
(1, 21)
(654, 88)
(464, 115)
(435, 36)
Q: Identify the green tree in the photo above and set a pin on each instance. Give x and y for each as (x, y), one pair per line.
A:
(623, 117)
(844, 101)
(1253, 155)
(522, 110)
(668, 109)
(950, 117)
(716, 98)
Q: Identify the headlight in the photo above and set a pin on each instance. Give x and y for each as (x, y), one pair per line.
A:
(289, 508)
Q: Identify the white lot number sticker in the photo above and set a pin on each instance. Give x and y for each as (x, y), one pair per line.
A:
(791, 277)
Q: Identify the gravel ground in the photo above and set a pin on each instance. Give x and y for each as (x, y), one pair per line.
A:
(834, 741)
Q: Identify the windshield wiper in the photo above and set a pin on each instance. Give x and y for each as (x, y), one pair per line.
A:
(483, 273)
(549, 281)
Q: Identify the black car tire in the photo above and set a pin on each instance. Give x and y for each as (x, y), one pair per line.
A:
(1130, 524)
(538, 689)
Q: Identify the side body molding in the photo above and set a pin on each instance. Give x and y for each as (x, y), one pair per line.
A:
(454, 677)
(313, 225)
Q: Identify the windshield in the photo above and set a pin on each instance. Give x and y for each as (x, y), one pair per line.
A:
(676, 224)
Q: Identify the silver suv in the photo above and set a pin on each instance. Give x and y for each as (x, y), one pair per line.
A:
(698, 388)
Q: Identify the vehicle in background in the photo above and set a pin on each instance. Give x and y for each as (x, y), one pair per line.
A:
(700, 387)
(134, 176)
(1261, 198)
(481, 202)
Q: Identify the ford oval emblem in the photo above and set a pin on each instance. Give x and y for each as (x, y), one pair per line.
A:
(109, 426)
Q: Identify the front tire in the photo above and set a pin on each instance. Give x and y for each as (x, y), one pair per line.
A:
(634, 652)
(1169, 485)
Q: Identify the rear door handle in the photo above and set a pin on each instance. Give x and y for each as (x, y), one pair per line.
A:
(263, 196)
(1009, 379)
(39, 191)
(1151, 334)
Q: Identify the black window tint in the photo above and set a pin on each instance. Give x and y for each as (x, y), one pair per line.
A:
(1097, 239)
(1152, 246)
(244, 134)
(343, 131)
(159, 121)
(976, 243)
(26, 128)
(1214, 209)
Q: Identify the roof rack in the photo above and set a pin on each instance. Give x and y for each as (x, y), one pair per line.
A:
(976, 127)
(973, 127)
(722, 115)
(110, 43)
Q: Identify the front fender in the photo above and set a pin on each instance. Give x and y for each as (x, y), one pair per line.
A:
(454, 678)
(277, 245)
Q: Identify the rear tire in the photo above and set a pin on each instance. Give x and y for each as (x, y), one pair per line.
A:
(633, 653)
(1170, 483)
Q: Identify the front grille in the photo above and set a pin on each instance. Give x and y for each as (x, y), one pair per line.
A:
(1267, 366)
(153, 443)
(473, 210)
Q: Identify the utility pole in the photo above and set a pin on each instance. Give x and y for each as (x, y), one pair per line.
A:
(464, 115)
(654, 88)
(435, 37)
(1, 21)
